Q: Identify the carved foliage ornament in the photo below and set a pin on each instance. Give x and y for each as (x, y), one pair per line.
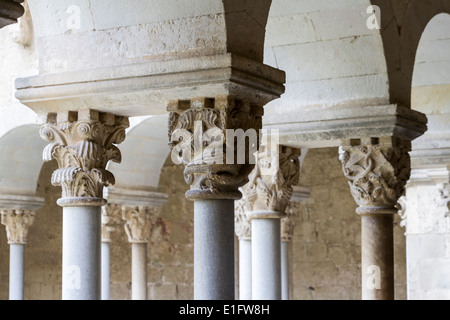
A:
(111, 217)
(198, 135)
(139, 222)
(17, 223)
(242, 224)
(376, 174)
(270, 183)
(82, 148)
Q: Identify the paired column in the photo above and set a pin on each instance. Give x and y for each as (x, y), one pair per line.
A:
(17, 223)
(377, 170)
(243, 230)
(82, 143)
(203, 133)
(268, 193)
(111, 217)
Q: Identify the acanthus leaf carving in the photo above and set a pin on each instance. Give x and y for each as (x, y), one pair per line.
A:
(111, 217)
(17, 223)
(82, 145)
(139, 222)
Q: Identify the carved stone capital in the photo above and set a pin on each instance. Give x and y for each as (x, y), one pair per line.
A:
(199, 134)
(83, 143)
(139, 222)
(17, 223)
(271, 182)
(377, 171)
(242, 224)
(111, 217)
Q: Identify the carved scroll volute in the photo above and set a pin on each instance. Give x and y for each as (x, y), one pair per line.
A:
(377, 173)
(83, 143)
(199, 130)
(17, 223)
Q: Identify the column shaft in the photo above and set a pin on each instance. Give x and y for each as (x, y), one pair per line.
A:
(377, 262)
(139, 271)
(266, 259)
(105, 271)
(245, 269)
(81, 253)
(16, 271)
(214, 250)
(284, 270)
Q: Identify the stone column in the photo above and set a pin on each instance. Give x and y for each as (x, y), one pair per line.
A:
(17, 223)
(299, 195)
(287, 229)
(267, 195)
(139, 222)
(202, 135)
(82, 143)
(111, 216)
(377, 170)
(243, 230)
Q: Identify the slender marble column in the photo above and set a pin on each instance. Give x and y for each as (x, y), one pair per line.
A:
(17, 224)
(111, 215)
(267, 195)
(243, 230)
(213, 250)
(139, 222)
(83, 143)
(377, 170)
(266, 255)
(81, 253)
(16, 271)
(202, 135)
(285, 281)
(139, 271)
(106, 270)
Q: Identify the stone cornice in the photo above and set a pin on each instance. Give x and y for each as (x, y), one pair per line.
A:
(21, 202)
(151, 85)
(132, 197)
(328, 126)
